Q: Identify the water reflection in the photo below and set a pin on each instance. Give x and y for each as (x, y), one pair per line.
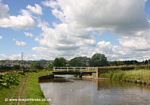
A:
(102, 92)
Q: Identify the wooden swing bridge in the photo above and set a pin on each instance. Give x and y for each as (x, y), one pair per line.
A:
(77, 71)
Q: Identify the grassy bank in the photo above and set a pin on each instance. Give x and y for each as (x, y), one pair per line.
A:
(10, 92)
(141, 76)
(27, 88)
(32, 88)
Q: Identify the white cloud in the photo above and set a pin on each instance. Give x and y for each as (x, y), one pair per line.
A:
(24, 20)
(140, 41)
(20, 43)
(1, 37)
(20, 21)
(42, 52)
(27, 34)
(3, 10)
(46, 3)
(40, 49)
(2, 56)
(37, 9)
(26, 57)
(64, 37)
(80, 20)
(130, 14)
(115, 52)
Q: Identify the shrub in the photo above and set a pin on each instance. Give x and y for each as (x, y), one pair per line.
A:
(8, 80)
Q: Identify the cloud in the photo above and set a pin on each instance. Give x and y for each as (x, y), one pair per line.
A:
(26, 57)
(20, 22)
(3, 10)
(20, 43)
(47, 3)
(115, 52)
(27, 34)
(2, 56)
(37, 9)
(24, 20)
(140, 41)
(130, 14)
(64, 37)
(41, 52)
(40, 49)
(1, 37)
(80, 22)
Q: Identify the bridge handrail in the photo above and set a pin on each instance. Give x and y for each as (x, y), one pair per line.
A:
(73, 68)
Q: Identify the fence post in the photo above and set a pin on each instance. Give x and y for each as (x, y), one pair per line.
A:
(97, 73)
(53, 68)
(74, 68)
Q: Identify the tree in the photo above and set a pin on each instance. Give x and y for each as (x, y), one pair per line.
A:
(36, 65)
(79, 62)
(60, 62)
(50, 65)
(130, 62)
(98, 60)
(116, 63)
(16, 67)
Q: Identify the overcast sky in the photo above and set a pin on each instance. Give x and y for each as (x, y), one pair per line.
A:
(45, 29)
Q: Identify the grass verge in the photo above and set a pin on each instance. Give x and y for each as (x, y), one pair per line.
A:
(7, 93)
(28, 88)
(141, 76)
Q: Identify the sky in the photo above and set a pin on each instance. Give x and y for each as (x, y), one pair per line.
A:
(46, 29)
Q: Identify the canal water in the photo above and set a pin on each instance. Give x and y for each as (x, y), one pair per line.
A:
(93, 92)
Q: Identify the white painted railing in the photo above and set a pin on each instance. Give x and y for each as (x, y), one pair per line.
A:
(74, 68)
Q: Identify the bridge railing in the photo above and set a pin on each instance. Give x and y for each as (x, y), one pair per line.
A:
(74, 69)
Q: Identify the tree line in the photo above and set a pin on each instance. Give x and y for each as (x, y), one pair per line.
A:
(97, 60)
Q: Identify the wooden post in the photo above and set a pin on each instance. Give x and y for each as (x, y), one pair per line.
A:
(53, 68)
(88, 69)
(97, 73)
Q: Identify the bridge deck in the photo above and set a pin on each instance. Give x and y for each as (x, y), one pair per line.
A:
(74, 70)
(72, 73)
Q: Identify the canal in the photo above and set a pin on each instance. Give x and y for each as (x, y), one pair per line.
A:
(95, 92)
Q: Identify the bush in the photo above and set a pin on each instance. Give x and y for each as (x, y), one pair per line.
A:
(8, 80)
(117, 76)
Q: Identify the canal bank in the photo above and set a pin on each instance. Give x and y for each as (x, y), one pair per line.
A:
(140, 76)
(28, 88)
